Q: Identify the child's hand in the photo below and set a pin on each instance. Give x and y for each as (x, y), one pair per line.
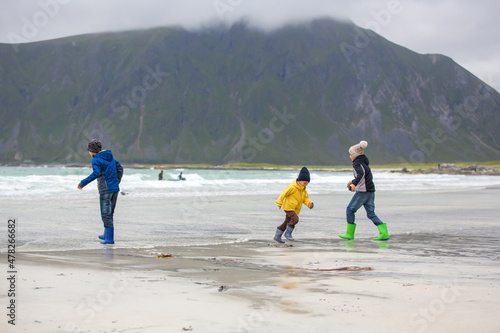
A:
(279, 207)
(311, 205)
(79, 187)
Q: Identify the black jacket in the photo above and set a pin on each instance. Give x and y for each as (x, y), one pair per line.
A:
(363, 178)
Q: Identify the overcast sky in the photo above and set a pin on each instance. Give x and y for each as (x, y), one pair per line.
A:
(467, 31)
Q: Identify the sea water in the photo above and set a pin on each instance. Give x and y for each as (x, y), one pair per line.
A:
(209, 207)
(33, 183)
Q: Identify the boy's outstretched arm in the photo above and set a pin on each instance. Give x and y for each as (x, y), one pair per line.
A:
(96, 172)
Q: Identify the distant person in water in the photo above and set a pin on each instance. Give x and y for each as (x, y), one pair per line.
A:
(180, 176)
(160, 175)
(108, 173)
(291, 200)
(364, 187)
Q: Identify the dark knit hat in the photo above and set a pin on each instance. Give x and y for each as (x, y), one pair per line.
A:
(304, 175)
(94, 146)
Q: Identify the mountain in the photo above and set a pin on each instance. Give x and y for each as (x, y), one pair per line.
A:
(302, 94)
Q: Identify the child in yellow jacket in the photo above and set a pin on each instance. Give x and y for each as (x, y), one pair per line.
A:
(291, 200)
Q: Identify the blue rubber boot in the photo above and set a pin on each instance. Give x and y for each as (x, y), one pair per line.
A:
(288, 232)
(101, 236)
(278, 235)
(109, 236)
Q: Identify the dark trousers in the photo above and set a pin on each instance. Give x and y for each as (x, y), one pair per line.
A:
(291, 219)
(108, 204)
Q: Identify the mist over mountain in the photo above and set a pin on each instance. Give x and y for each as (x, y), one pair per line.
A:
(302, 94)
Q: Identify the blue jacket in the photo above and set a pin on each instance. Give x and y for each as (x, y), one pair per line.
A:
(108, 172)
(363, 179)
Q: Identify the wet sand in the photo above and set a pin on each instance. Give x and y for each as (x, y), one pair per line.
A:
(438, 272)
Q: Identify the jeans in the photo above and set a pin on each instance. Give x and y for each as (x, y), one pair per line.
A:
(108, 203)
(359, 199)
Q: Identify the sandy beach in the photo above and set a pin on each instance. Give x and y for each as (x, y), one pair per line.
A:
(439, 272)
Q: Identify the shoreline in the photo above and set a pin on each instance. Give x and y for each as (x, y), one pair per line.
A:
(448, 169)
(453, 169)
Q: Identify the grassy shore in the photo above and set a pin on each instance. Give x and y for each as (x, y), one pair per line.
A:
(268, 166)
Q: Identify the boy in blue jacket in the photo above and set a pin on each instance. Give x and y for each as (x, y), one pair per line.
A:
(108, 172)
(364, 187)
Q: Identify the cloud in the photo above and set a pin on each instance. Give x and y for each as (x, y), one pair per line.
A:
(462, 29)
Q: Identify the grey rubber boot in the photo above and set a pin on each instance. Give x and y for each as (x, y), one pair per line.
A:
(288, 232)
(278, 235)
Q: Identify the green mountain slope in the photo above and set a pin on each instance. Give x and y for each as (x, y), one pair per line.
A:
(302, 94)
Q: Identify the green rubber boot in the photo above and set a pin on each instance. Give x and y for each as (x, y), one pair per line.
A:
(384, 234)
(349, 234)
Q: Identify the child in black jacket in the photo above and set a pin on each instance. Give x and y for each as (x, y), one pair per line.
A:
(363, 185)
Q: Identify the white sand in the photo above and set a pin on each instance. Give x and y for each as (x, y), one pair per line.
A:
(434, 279)
(120, 290)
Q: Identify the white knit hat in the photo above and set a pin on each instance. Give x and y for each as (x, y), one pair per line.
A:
(358, 149)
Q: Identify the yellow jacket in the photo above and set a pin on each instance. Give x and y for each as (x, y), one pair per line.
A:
(292, 197)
